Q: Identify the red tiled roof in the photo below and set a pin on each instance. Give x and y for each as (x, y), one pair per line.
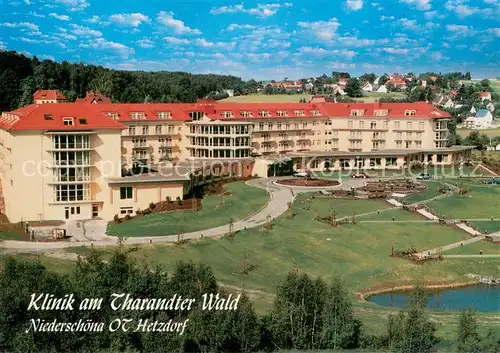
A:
(485, 94)
(33, 117)
(94, 97)
(180, 111)
(48, 94)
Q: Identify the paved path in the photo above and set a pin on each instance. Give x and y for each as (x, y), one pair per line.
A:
(280, 196)
(471, 256)
(449, 247)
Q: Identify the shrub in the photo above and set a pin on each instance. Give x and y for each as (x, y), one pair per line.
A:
(146, 211)
(116, 219)
(169, 199)
(179, 201)
(138, 212)
(152, 205)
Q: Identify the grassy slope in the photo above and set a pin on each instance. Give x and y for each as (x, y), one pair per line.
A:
(480, 203)
(243, 201)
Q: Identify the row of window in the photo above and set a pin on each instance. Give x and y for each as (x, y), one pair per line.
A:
(70, 141)
(397, 125)
(144, 129)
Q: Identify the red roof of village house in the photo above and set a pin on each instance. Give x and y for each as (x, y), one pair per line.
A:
(454, 92)
(48, 94)
(94, 97)
(36, 117)
(485, 94)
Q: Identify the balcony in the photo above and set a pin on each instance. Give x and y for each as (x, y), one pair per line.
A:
(69, 179)
(69, 148)
(72, 163)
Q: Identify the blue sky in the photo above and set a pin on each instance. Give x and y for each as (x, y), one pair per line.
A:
(260, 39)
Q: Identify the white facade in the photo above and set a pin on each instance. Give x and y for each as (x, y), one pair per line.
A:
(382, 89)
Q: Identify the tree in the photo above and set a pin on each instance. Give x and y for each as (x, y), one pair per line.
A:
(481, 141)
(353, 88)
(411, 331)
(383, 79)
(467, 336)
(368, 78)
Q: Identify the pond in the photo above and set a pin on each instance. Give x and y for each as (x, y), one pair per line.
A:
(482, 297)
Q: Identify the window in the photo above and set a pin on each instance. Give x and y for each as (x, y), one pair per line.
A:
(226, 114)
(410, 112)
(47, 116)
(408, 135)
(137, 115)
(398, 144)
(264, 113)
(421, 125)
(125, 192)
(163, 115)
(68, 121)
(328, 122)
(131, 130)
(350, 124)
(357, 112)
(113, 115)
(373, 125)
(361, 124)
(126, 210)
(396, 125)
(380, 112)
(281, 112)
(158, 129)
(408, 144)
(418, 144)
(299, 113)
(145, 130)
(419, 135)
(315, 112)
(278, 126)
(83, 121)
(399, 135)
(385, 125)
(245, 114)
(409, 125)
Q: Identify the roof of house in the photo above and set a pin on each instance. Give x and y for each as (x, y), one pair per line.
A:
(94, 97)
(48, 94)
(485, 94)
(105, 116)
(51, 117)
(483, 113)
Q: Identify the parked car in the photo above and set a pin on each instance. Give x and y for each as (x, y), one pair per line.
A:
(360, 175)
(424, 176)
(494, 181)
(302, 175)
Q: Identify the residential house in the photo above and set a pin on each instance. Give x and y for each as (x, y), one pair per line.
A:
(309, 86)
(472, 110)
(382, 89)
(485, 96)
(482, 120)
(43, 96)
(230, 92)
(368, 87)
(94, 98)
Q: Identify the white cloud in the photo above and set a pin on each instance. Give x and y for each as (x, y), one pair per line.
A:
(324, 52)
(430, 14)
(235, 26)
(47, 57)
(323, 30)
(167, 19)
(22, 25)
(94, 19)
(103, 44)
(422, 5)
(145, 43)
(35, 14)
(461, 30)
(436, 55)
(262, 10)
(129, 19)
(342, 66)
(494, 31)
(85, 31)
(59, 17)
(461, 8)
(206, 44)
(354, 5)
(3, 46)
(387, 18)
(27, 2)
(371, 66)
(74, 5)
(395, 50)
(174, 40)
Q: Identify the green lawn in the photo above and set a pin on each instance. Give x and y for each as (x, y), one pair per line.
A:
(358, 253)
(480, 203)
(398, 214)
(474, 249)
(6, 235)
(342, 207)
(487, 132)
(489, 226)
(429, 193)
(243, 201)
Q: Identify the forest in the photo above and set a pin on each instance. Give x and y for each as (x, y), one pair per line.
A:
(21, 76)
(308, 313)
